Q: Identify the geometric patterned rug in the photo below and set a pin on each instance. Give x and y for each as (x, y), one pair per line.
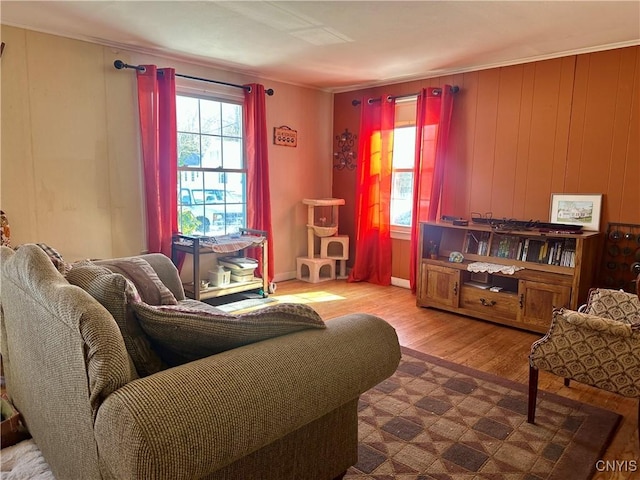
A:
(435, 420)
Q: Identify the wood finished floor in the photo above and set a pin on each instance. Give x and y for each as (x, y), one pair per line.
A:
(481, 345)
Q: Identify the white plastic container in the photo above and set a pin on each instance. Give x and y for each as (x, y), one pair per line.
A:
(219, 277)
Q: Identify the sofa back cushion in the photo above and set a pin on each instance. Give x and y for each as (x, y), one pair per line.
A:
(614, 305)
(116, 294)
(193, 329)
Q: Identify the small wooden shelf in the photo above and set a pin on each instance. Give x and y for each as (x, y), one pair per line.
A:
(558, 273)
(194, 245)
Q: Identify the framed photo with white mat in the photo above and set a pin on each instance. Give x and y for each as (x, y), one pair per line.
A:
(576, 209)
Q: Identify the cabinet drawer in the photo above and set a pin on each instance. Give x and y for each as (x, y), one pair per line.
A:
(499, 304)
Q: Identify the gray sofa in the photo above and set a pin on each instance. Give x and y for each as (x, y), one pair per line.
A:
(282, 408)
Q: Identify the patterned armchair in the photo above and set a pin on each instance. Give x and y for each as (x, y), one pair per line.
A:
(599, 346)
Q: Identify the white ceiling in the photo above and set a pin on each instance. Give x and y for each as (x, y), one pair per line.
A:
(341, 45)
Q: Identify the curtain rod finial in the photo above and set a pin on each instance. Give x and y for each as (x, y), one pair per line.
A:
(119, 64)
(269, 91)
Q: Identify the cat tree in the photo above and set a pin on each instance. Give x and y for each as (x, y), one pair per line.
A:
(334, 248)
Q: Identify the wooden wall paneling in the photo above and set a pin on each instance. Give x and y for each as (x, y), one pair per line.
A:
(484, 142)
(524, 137)
(631, 191)
(595, 161)
(618, 158)
(542, 141)
(565, 96)
(510, 88)
(344, 181)
(576, 129)
(400, 258)
(626, 142)
(455, 191)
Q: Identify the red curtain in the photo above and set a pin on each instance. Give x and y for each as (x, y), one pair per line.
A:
(433, 120)
(373, 193)
(256, 147)
(157, 108)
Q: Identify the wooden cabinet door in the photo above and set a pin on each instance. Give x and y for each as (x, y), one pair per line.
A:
(537, 301)
(440, 286)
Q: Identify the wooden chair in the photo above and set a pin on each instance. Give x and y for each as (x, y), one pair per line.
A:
(599, 346)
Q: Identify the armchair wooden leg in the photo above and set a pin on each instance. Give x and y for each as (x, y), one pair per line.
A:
(533, 393)
(567, 381)
(341, 476)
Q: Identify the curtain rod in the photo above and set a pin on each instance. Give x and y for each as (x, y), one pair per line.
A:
(435, 91)
(119, 64)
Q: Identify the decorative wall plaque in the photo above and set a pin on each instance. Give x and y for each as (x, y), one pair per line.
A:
(284, 135)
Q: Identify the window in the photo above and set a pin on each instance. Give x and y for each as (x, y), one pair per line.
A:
(404, 139)
(212, 173)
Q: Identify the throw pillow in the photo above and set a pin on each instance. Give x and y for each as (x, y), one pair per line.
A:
(192, 330)
(117, 294)
(145, 279)
(57, 260)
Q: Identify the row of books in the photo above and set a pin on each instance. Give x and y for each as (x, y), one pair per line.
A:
(476, 242)
(560, 252)
(556, 251)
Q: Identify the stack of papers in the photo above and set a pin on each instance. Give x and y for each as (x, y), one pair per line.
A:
(239, 266)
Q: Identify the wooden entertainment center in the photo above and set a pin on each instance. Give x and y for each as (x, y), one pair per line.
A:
(527, 273)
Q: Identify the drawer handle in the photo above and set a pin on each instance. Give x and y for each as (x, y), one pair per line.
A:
(521, 301)
(487, 303)
(455, 289)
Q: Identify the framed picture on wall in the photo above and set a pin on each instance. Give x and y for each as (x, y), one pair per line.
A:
(577, 209)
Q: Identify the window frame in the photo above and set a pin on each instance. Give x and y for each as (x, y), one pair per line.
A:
(403, 232)
(227, 96)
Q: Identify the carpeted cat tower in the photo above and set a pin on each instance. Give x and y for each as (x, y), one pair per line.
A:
(322, 222)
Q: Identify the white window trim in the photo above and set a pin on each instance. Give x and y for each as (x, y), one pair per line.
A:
(399, 232)
(214, 93)
(220, 92)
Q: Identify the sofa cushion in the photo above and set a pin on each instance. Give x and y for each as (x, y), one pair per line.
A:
(145, 279)
(192, 330)
(117, 294)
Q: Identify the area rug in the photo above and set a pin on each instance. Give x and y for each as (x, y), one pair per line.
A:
(437, 420)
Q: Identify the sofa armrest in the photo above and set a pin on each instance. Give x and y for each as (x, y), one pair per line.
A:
(194, 419)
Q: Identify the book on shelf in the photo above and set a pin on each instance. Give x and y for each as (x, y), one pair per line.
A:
(476, 243)
(525, 250)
